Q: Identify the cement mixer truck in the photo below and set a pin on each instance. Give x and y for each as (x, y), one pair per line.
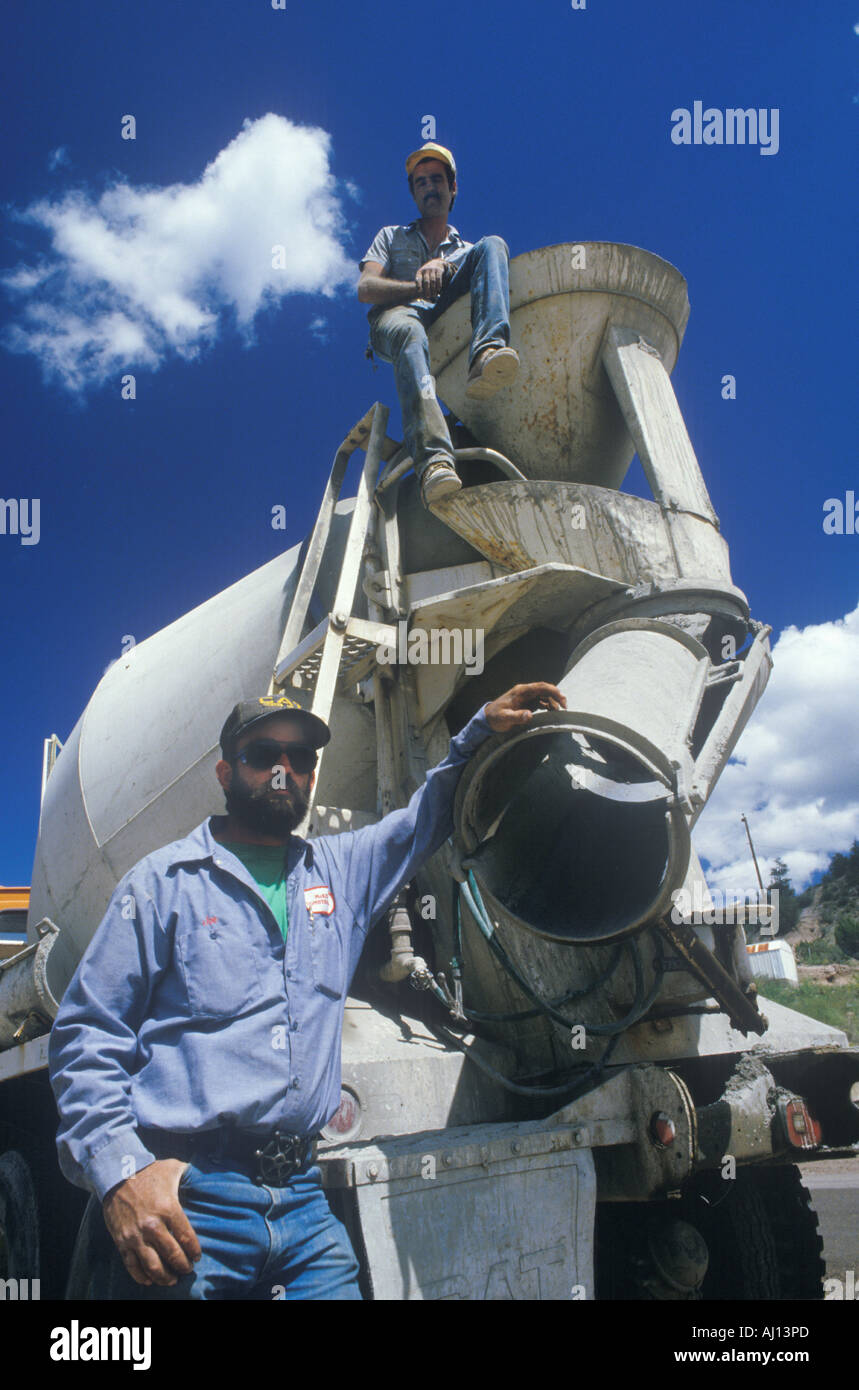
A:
(557, 1082)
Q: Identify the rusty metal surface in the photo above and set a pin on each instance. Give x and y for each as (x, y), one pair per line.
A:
(500, 609)
(560, 418)
(644, 1169)
(741, 1008)
(542, 596)
(740, 1122)
(629, 539)
(653, 417)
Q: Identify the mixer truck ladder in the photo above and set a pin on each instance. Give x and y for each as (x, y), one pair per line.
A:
(342, 647)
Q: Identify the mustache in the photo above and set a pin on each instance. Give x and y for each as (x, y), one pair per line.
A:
(275, 810)
(288, 786)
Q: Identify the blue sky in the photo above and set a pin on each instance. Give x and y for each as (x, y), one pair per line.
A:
(560, 120)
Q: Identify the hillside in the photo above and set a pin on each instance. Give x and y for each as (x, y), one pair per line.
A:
(827, 931)
(826, 941)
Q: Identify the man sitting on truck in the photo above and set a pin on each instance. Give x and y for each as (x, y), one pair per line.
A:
(196, 1052)
(411, 274)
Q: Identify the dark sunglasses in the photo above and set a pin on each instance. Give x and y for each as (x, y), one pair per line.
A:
(266, 752)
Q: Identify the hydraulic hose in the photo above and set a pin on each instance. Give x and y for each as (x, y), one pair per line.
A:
(572, 1089)
(641, 1003)
(480, 1017)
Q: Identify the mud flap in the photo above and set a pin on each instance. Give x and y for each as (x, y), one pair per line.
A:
(485, 1212)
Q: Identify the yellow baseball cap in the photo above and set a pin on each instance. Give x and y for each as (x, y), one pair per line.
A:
(431, 151)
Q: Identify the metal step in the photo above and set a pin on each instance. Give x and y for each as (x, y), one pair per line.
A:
(361, 640)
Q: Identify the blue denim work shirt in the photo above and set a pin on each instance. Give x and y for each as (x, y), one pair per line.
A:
(188, 1012)
(401, 251)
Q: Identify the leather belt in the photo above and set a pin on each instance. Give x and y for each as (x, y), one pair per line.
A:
(273, 1158)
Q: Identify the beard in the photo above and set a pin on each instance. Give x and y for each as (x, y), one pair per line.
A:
(265, 810)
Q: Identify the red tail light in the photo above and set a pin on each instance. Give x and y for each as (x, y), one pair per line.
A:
(801, 1128)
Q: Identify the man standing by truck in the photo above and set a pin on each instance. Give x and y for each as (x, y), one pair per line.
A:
(196, 1053)
(411, 274)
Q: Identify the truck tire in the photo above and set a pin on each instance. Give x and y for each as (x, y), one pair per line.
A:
(794, 1225)
(734, 1221)
(741, 1260)
(19, 1219)
(38, 1199)
(761, 1233)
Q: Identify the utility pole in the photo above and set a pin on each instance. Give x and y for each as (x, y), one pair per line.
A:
(752, 848)
(766, 930)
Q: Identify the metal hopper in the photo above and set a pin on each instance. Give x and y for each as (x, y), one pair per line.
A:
(561, 418)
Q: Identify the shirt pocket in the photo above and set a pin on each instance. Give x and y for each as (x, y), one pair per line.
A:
(405, 265)
(328, 957)
(220, 968)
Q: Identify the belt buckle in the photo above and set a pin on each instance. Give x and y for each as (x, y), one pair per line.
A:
(279, 1160)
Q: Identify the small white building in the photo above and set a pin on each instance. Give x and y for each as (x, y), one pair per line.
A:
(773, 960)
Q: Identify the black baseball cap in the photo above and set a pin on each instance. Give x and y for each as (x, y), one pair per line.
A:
(249, 712)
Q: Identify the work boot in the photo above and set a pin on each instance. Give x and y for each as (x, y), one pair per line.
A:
(440, 480)
(494, 369)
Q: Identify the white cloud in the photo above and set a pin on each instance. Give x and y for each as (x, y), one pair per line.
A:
(58, 158)
(141, 274)
(796, 769)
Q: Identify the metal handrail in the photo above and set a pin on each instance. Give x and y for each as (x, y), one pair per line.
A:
(355, 439)
(459, 455)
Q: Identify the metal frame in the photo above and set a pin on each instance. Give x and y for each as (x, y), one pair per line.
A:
(50, 752)
(355, 439)
(341, 645)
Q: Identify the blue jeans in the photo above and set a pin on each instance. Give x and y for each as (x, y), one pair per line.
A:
(259, 1243)
(399, 336)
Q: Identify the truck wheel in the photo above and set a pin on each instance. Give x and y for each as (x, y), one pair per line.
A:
(761, 1234)
(731, 1216)
(646, 1251)
(19, 1219)
(794, 1225)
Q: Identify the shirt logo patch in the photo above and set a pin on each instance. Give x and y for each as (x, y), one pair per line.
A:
(319, 900)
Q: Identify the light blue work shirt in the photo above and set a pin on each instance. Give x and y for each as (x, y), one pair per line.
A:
(401, 251)
(189, 1012)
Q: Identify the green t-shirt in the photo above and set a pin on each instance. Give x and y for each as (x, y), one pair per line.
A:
(265, 864)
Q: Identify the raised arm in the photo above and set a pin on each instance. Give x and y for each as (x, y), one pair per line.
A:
(385, 856)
